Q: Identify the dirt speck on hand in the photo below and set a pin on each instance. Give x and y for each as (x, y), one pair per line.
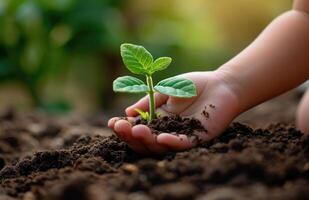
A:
(206, 114)
(212, 106)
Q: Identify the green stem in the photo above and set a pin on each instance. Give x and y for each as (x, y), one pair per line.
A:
(152, 114)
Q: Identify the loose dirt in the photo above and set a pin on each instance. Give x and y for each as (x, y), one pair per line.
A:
(44, 158)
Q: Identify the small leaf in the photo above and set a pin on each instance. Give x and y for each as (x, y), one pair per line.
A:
(144, 115)
(177, 87)
(136, 58)
(129, 84)
(160, 64)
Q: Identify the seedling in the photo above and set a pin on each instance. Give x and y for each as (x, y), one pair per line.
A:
(139, 61)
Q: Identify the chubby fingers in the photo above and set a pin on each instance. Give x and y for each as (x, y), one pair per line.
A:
(182, 142)
(112, 121)
(139, 137)
(123, 129)
(175, 142)
(144, 134)
(143, 141)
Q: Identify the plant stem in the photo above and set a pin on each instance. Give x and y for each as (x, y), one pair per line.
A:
(152, 114)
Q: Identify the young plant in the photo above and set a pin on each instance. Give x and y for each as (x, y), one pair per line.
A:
(139, 61)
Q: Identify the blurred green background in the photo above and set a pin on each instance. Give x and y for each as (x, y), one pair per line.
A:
(62, 55)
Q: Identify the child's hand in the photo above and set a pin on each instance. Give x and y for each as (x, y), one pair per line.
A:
(212, 88)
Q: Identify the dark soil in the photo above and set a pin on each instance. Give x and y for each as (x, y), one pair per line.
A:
(174, 124)
(57, 159)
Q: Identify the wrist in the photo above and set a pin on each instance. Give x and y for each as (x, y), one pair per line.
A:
(228, 77)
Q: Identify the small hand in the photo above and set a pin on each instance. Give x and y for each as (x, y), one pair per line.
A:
(214, 95)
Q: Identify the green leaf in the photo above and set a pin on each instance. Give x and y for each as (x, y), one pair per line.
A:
(177, 87)
(129, 84)
(136, 58)
(160, 64)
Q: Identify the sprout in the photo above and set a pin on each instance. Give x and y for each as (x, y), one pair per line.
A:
(139, 61)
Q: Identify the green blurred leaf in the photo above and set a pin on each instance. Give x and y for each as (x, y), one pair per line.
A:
(57, 5)
(177, 87)
(57, 107)
(129, 84)
(136, 58)
(29, 17)
(6, 70)
(160, 64)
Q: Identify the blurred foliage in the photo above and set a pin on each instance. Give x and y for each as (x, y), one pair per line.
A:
(43, 42)
(65, 53)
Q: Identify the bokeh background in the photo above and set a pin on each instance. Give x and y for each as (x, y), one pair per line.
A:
(61, 56)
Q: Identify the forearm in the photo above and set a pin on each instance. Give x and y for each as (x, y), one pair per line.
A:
(275, 62)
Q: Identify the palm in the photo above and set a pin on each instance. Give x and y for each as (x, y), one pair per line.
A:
(211, 89)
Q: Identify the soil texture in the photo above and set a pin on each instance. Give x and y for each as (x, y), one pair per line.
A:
(56, 159)
(174, 124)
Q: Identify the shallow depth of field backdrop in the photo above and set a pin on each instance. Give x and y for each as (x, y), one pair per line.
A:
(61, 56)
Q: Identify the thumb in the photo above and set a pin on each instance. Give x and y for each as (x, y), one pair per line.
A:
(143, 104)
(177, 105)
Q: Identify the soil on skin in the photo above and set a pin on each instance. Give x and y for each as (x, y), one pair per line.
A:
(175, 125)
(48, 159)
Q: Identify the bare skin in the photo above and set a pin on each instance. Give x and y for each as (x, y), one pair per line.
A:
(274, 63)
(211, 89)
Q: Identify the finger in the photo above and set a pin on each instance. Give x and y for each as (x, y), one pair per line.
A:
(123, 130)
(199, 81)
(175, 142)
(143, 133)
(143, 104)
(113, 120)
(199, 137)
(177, 105)
(161, 112)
